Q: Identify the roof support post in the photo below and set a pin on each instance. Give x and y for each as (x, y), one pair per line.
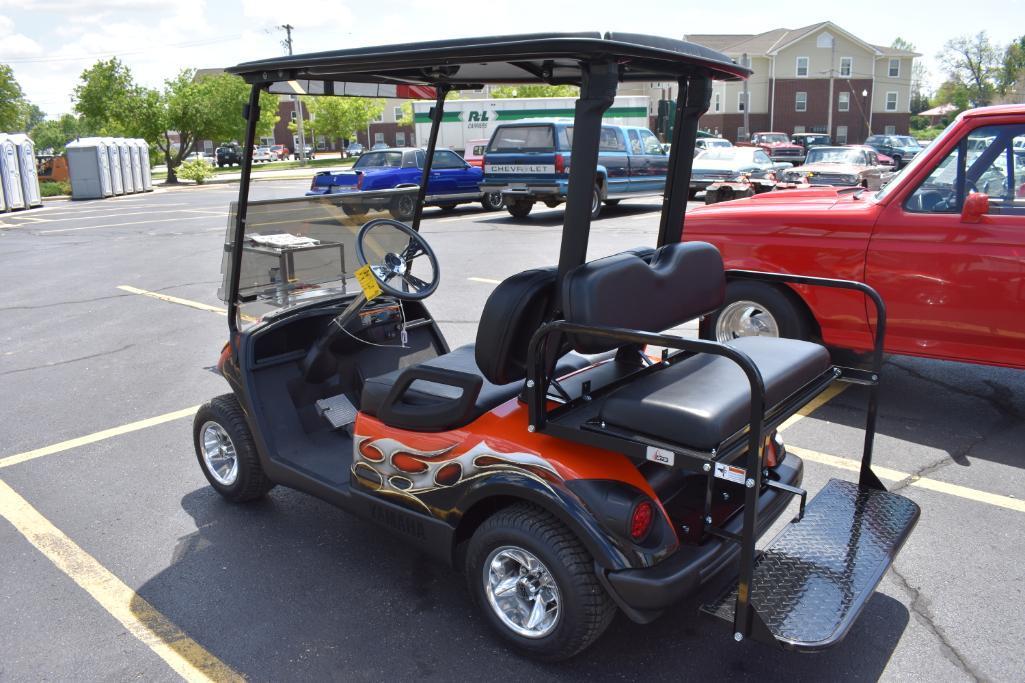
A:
(252, 114)
(437, 111)
(695, 94)
(597, 93)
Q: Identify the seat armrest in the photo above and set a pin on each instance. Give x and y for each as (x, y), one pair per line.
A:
(436, 416)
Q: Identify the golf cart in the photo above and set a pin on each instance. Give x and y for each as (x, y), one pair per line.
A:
(576, 460)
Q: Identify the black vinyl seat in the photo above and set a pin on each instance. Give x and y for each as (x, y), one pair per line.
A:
(703, 400)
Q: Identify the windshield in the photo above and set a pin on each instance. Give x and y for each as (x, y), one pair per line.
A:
(907, 141)
(835, 155)
(303, 249)
(528, 138)
(717, 143)
(379, 160)
(896, 181)
(724, 154)
(772, 138)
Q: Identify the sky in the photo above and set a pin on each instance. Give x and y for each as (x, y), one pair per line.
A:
(49, 43)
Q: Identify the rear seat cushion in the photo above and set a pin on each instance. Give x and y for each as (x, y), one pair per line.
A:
(703, 400)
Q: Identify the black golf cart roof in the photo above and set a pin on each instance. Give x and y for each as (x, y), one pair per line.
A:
(531, 58)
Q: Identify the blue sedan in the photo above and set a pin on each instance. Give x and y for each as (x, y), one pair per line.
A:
(452, 182)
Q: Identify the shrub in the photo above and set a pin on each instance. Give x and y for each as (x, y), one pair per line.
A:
(196, 169)
(51, 189)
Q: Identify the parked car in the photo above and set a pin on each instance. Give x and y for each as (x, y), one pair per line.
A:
(840, 167)
(354, 149)
(529, 162)
(228, 155)
(474, 154)
(310, 154)
(279, 151)
(747, 166)
(778, 146)
(945, 257)
(881, 159)
(901, 148)
(262, 154)
(452, 182)
(202, 156)
(809, 140)
(702, 144)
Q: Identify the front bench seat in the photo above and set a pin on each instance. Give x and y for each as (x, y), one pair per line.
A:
(458, 387)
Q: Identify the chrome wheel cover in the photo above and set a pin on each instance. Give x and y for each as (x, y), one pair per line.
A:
(522, 592)
(745, 319)
(219, 455)
(494, 200)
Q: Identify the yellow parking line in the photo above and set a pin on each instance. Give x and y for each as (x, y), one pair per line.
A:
(822, 399)
(96, 436)
(919, 482)
(123, 225)
(465, 217)
(189, 659)
(173, 299)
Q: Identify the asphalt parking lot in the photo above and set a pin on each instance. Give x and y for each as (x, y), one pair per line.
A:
(119, 562)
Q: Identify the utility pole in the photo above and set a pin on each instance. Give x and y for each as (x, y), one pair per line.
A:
(746, 62)
(298, 103)
(832, 62)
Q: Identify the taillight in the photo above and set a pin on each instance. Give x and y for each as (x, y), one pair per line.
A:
(313, 183)
(560, 163)
(359, 181)
(641, 519)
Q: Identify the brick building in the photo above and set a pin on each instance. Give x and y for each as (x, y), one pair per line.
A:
(815, 79)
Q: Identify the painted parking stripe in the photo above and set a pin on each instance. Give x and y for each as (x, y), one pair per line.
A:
(185, 656)
(916, 481)
(173, 299)
(96, 436)
(123, 225)
(485, 280)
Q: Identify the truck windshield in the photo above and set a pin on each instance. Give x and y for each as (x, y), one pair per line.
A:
(527, 138)
(834, 155)
(773, 138)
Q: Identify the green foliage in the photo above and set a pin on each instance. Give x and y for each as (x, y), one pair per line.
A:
(196, 169)
(1012, 69)
(50, 189)
(10, 100)
(507, 91)
(339, 117)
(927, 133)
(55, 133)
(103, 98)
(973, 62)
(955, 93)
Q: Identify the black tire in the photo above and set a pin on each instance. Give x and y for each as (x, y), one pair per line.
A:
(403, 207)
(897, 162)
(519, 208)
(790, 317)
(448, 207)
(492, 201)
(612, 202)
(250, 483)
(596, 202)
(354, 210)
(586, 609)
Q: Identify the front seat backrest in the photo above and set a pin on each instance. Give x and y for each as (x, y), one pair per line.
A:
(513, 313)
(683, 281)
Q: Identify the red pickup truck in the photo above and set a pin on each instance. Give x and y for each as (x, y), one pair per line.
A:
(778, 146)
(943, 243)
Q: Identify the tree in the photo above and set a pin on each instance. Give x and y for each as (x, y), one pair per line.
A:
(10, 100)
(104, 96)
(53, 134)
(1012, 69)
(30, 115)
(506, 91)
(974, 62)
(340, 117)
(955, 93)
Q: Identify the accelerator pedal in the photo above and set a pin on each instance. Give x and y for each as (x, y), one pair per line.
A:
(338, 410)
(812, 581)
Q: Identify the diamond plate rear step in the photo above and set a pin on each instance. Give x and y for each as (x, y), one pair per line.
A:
(812, 581)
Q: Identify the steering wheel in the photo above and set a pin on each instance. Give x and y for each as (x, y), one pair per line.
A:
(394, 266)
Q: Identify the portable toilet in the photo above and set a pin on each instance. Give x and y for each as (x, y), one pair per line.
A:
(147, 173)
(10, 174)
(89, 169)
(117, 183)
(27, 163)
(127, 177)
(136, 156)
(3, 202)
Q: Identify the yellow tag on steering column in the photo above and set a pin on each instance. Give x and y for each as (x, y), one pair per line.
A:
(368, 283)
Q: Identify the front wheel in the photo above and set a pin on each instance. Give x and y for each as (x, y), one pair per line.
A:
(536, 584)
(519, 208)
(403, 207)
(756, 309)
(492, 201)
(226, 452)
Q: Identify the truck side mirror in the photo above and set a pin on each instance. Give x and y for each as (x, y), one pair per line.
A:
(976, 205)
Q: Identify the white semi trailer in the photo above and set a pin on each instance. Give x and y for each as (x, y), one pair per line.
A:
(466, 120)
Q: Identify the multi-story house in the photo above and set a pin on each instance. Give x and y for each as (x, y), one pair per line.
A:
(816, 79)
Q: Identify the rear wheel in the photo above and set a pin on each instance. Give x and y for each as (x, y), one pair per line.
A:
(519, 208)
(536, 584)
(492, 201)
(403, 207)
(755, 309)
(226, 453)
(354, 210)
(596, 202)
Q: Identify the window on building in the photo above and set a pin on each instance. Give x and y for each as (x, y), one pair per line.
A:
(717, 105)
(400, 138)
(378, 137)
(801, 101)
(397, 113)
(841, 135)
(292, 115)
(846, 67)
(894, 70)
(891, 101)
(844, 104)
(380, 116)
(798, 129)
(741, 104)
(802, 67)
(889, 130)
